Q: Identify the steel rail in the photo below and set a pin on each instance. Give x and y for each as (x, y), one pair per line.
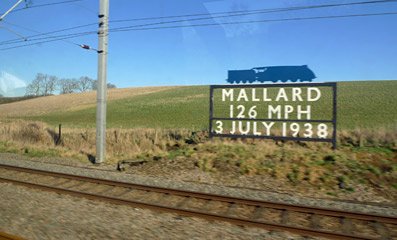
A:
(207, 215)
(192, 213)
(210, 196)
(6, 236)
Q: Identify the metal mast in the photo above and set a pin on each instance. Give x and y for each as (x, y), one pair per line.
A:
(102, 83)
(9, 10)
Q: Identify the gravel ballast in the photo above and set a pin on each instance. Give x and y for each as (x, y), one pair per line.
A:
(35, 214)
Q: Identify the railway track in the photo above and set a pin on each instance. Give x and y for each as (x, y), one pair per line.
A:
(302, 220)
(6, 236)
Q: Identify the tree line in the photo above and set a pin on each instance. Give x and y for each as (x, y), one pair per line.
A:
(44, 85)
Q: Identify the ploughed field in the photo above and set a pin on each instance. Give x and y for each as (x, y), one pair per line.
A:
(361, 104)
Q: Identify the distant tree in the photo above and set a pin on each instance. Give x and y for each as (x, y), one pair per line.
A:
(49, 84)
(111, 85)
(42, 85)
(68, 85)
(95, 84)
(35, 87)
(85, 84)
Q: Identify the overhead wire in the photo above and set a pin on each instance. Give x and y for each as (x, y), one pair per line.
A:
(145, 26)
(30, 38)
(13, 32)
(229, 14)
(52, 40)
(249, 12)
(254, 21)
(63, 38)
(211, 24)
(256, 12)
(32, 30)
(54, 36)
(86, 8)
(45, 5)
(48, 34)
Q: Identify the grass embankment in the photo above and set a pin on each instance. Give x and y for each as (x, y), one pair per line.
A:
(360, 105)
(366, 159)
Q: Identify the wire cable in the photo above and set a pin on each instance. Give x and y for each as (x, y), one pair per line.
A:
(248, 12)
(45, 5)
(52, 40)
(13, 32)
(231, 14)
(86, 8)
(254, 21)
(53, 36)
(30, 38)
(64, 39)
(209, 24)
(32, 30)
(257, 12)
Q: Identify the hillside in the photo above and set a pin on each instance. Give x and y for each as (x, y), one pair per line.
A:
(158, 127)
(5, 100)
(361, 104)
(68, 102)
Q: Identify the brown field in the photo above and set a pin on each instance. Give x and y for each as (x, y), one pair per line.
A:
(74, 101)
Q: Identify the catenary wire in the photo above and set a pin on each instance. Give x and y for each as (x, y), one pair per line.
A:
(13, 32)
(45, 5)
(241, 13)
(52, 37)
(32, 30)
(248, 12)
(46, 33)
(255, 21)
(52, 40)
(86, 8)
(256, 12)
(210, 24)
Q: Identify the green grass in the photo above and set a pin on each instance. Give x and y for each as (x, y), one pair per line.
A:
(361, 104)
(367, 104)
(185, 107)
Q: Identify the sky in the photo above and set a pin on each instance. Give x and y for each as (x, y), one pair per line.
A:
(337, 49)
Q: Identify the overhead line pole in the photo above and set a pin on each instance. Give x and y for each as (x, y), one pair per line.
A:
(9, 10)
(102, 83)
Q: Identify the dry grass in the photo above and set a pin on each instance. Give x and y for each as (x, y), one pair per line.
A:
(67, 102)
(25, 132)
(141, 142)
(381, 137)
(121, 143)
(364, 158)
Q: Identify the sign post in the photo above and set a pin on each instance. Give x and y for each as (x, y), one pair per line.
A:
(297, 112)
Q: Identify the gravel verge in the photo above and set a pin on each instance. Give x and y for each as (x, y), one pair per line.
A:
(108, 172)
(34, 214)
